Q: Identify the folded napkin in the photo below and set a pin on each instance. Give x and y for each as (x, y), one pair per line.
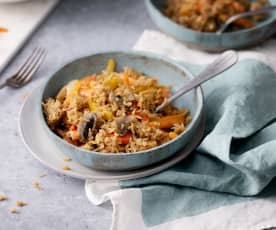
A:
(227, 183)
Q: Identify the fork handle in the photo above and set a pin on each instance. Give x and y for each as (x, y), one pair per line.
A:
(222, 63)
(3, 85)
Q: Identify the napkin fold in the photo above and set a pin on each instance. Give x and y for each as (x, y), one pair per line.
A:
(228, 182)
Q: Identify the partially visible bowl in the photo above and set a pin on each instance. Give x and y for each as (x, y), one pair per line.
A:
(212, 41)
(167, 73)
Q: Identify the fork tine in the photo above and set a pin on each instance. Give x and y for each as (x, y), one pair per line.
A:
(33, 68)
(27, 67)
(25, 64)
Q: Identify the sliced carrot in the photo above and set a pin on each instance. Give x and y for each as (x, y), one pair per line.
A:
(73, 127)
(244, 23)
(172, 135)
(123, 140)
(238, 7)
(168, 121)
(3, 30)
(94, 78)
(144, 116)
(126, 79)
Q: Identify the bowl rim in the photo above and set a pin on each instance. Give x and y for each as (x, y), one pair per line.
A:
(150, 6)
(198, 91)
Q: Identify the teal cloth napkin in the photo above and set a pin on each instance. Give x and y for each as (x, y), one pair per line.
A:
(237, 157)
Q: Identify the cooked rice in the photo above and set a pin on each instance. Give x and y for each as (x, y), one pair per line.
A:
(114, 112)
(210, 15)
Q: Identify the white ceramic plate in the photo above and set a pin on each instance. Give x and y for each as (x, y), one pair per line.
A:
(39, 145)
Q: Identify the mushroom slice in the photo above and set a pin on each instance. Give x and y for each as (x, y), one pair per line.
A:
(88, 126)
(117, 99)
(123, 123)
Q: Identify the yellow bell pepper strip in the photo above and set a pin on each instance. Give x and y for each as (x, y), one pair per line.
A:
(92, 105)
(113, 82)
(110, 66)
(107, 115)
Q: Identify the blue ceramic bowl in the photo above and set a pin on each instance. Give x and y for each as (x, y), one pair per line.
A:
(167, 73)
(212, 41)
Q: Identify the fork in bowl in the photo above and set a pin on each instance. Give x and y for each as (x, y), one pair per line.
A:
(27, 70)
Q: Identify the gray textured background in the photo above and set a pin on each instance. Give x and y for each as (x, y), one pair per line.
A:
(74, 29)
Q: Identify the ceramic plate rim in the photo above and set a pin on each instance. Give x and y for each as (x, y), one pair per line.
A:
(129, 174)
(198, 90)
(149, 3)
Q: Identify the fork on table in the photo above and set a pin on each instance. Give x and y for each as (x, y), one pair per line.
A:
(27, 70)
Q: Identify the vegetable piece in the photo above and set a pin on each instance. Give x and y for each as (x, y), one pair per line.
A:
(142, 115)
(238, 7)
(113, 82)
(110, 66)
(246, 23)
(168, 121)
(87, 125)
(3, 30)
(149, 90)
(72, 88)
(73, 127)
(123, 123)
(172, 135)
(124, 140)
(92, 105)
(87, 80)
(126, 79)
(107, 115)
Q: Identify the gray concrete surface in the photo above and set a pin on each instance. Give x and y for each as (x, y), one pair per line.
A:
(74, 29)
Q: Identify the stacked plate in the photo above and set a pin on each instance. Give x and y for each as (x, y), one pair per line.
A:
(49, 149)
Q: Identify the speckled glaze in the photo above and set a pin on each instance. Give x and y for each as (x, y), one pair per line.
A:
(212, 41)
(167, 73)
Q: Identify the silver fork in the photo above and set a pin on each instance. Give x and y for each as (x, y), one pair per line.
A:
(25, 73)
